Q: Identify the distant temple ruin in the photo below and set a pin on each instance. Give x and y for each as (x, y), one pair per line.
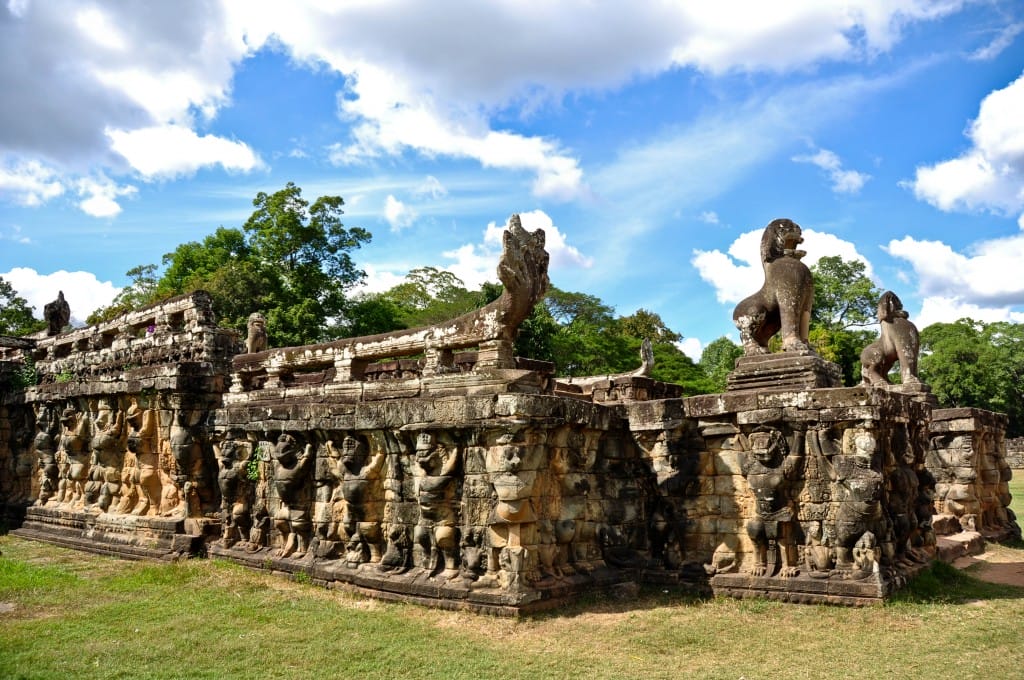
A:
(431, 465)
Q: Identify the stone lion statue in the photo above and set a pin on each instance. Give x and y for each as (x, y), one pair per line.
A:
(784, 302)
(256, 340)
(898, 342)
(57, 314)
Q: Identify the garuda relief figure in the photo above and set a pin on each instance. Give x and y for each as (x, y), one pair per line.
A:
(143, 443)
(234, 489)
(362, 496)
(858, 488)
(436, 536)
(74, 447)
(512, 520)
(292, 519)
(108, 446)
(784, 302)
(771, 469)
(46, 453)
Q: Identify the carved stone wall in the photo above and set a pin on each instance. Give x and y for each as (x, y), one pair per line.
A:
(111, 448)
(968, 458)
(465, 482)
(1015, 453)
(817, 495)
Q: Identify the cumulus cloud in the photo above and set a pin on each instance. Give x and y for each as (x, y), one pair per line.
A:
(398, 214)
(83, 291)
(984, 283)
(990, 174)
(476, 263)
(100, 194)
(691, 347)
(167, 151)
(29, 183)
(843, 181)
(709, 217)
(738, 272)
(141, 77)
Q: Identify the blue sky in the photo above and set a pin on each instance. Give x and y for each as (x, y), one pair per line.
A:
(652, 141)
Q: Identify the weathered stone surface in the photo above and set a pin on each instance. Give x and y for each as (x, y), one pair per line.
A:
(968, 459)
(791, 371)
(466, 478)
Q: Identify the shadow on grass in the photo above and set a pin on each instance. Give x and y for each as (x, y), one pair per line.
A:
(945, 584)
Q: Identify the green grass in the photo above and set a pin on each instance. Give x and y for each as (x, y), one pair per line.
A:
(1017, 490)
(65, 614)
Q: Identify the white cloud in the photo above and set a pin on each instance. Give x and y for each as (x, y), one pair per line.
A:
(843, 181)
(739, 273)
(988, 276)
(434, 92)
(989, 175)
(16, 235)
(691, 347)
(1003, 39)
(167, 151)
(146, 72)
(709, 217)
(100, 196)
(398, 214)
(30, 183)
(83, 291)
(432, 187)
(948, 310)
(477, 263)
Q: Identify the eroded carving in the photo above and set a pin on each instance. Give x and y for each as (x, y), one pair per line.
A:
(898, 342)
(771, 469)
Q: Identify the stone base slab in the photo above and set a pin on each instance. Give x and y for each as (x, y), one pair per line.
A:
(783, 370)
(127, 536)
(416, 585)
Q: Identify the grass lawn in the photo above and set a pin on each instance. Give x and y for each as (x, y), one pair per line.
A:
(65, 614)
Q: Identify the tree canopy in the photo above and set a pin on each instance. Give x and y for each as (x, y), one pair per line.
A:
(971, 363)
(845, 300)
(16, 316)
(291, 260)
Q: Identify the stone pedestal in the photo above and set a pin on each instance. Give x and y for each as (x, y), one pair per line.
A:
(125, 536)
(784, 370)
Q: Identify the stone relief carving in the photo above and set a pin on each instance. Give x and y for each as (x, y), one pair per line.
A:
(435, 538)
(292, 519)
(771, 469)
(898, 342)
(784, 302)
(233, 457)
(46, 452)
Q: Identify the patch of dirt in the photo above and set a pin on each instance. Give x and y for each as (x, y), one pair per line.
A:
(998, 564)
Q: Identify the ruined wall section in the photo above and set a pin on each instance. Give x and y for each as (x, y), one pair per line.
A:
(494, 501)
(817, 495)
(968, 457)
(115, 430)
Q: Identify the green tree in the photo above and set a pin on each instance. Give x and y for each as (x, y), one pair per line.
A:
(845, 300)
(310, 250)
(430, 295)
(15, 313)
(971, 363)
(717, 360)
(142, 290)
